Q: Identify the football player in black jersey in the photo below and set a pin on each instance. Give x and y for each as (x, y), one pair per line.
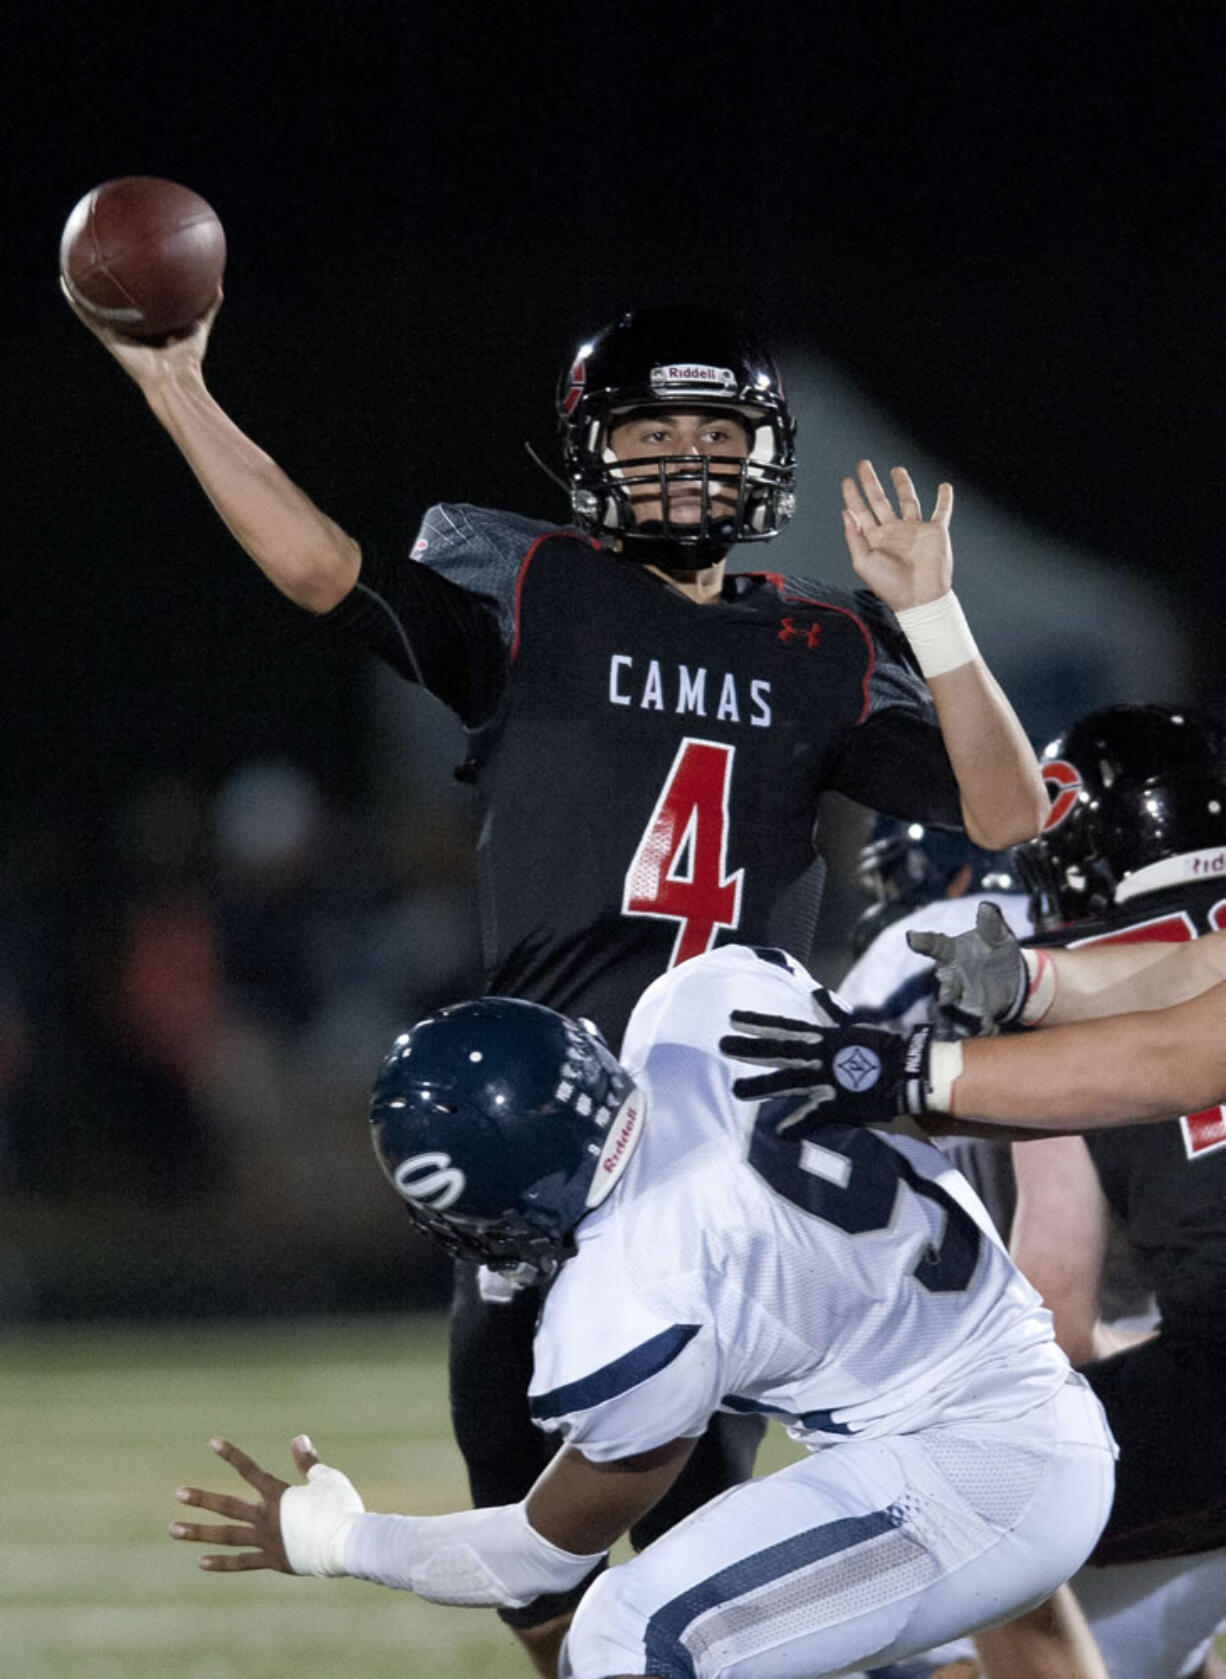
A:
(1138, 854)
(1129, 871)
(649, 735)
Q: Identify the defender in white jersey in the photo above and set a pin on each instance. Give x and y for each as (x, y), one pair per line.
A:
(704, 1260)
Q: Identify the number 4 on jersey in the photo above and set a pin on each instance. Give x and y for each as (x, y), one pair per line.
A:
(677, 873)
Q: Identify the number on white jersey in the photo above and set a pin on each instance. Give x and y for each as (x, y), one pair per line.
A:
(852, 1179)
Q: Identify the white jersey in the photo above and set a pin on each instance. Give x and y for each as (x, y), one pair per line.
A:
(890, 982)
(849, 1284)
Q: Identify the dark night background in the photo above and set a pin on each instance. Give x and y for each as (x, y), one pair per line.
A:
(1001, 224)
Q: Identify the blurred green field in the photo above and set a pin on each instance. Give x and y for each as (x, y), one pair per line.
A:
(100, 1425)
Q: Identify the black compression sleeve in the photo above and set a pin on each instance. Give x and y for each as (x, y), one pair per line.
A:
(896, 762)
(429, 630)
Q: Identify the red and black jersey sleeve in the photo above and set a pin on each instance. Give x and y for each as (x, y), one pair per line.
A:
(894, 759)
(444, 615)
(429, 630)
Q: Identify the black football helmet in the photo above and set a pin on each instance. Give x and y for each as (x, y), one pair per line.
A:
(501, 1124)
(1133, 787)
(662, 359)
(906, 864)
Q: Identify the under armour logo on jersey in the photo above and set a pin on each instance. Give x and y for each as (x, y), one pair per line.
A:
(789, 630)
(856, 1067)
(431, 1179)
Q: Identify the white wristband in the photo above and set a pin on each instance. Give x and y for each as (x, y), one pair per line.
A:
(944, 1070)
(939, 634)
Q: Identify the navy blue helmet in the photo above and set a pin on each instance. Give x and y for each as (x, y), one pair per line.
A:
(501, 1124)
(1132, 787)
(907, 864)
(655, 360)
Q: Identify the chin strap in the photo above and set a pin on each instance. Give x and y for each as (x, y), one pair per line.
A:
(675, 558)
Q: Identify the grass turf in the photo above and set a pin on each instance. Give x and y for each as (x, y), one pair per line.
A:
(101, 1424)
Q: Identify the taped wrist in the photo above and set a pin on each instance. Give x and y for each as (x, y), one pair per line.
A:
(944, 1069)
(1041, 989)
(476, 1557)
(316, 1519)
(939, 635)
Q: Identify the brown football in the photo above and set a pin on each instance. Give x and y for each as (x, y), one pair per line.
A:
(143, 255)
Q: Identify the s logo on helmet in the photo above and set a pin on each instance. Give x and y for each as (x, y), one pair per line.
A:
(1064, 783)
(430, 1179)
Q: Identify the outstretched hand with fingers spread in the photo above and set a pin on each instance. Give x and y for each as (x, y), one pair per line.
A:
(254, 1524)
(905, 559)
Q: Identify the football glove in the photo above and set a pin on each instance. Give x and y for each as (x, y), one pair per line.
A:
(839, 1070)
(981, 976)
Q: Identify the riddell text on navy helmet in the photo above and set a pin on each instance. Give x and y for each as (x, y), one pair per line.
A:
(659, 685)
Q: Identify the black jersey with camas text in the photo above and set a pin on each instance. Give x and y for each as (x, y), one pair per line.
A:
(647, 769)
(1167, 1183)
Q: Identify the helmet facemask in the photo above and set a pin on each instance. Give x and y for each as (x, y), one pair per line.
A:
(630, 370)
(743, 498)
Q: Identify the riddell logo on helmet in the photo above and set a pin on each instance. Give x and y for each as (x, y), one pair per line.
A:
(621, 1142)
(624, 1135)
(1206, 862)
(685, 375)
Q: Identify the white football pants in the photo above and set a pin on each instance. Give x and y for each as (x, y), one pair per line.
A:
(859, 1555)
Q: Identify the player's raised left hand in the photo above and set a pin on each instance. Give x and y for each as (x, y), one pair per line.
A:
(293, 1529)
(841, 1072)
(905, 559)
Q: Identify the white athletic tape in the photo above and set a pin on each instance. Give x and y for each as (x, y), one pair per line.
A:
(944, 1069)
(939, 634)
(316, 1520)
